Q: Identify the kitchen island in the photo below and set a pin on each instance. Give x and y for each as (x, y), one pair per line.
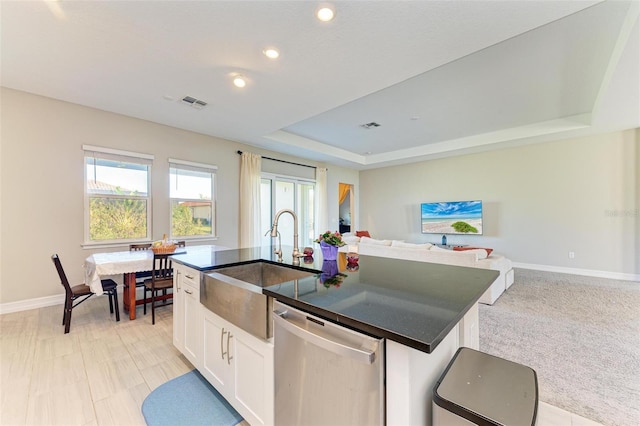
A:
(424, 311)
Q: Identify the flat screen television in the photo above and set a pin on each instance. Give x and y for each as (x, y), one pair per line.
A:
(452, 217)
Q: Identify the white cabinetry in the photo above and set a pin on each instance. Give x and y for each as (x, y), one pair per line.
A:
(240, 367)
(187, 313)
(469, 328)
(412, 374)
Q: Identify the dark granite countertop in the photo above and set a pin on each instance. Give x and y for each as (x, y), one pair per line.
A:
(208, 258)
(413, 303)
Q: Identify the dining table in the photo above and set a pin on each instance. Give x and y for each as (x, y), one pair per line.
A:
(100, 265)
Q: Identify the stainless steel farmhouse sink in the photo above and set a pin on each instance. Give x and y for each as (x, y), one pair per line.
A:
(235, 294)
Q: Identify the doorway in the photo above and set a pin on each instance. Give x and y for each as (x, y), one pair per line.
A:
(346, 203)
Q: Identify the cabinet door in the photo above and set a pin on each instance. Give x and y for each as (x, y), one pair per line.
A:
(240, 367)
(178, 309)
(192, 310)
(216, 365)
(469, 329)
(253, 371)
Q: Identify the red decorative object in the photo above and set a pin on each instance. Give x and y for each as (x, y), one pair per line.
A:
(363, 234)
(473, 248)
(352, 258)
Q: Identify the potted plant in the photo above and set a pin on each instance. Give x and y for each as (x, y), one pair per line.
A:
(329, 243)
(331, 276)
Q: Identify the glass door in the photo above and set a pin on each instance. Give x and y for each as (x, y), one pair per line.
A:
(279, 193)
(306, 214)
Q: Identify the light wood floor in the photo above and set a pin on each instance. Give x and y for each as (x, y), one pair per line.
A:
(101, 372)
(98, 374)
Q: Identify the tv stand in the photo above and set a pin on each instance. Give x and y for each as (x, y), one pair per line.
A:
(451, 246)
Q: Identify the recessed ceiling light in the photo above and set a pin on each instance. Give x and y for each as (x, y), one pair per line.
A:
(239, 81)
(271, 53)
(325, 12)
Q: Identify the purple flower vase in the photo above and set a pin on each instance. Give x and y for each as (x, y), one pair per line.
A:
(329, 252)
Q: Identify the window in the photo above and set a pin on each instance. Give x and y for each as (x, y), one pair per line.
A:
(288, 193)
(192, 193)
(117, 195)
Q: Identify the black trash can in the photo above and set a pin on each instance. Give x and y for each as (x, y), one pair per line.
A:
(484, 389)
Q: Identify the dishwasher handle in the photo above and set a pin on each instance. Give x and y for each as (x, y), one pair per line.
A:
(367, 357)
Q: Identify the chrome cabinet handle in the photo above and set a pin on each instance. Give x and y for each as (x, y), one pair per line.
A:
(186, 290)
(189, 276)
(222, 352)
(178, 280)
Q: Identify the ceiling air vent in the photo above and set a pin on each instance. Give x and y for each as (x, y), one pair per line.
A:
(371, 125)
(193, 102)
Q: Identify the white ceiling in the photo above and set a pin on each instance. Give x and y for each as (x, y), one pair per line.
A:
(440, 77)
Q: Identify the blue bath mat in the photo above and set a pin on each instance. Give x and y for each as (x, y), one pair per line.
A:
(188, 400)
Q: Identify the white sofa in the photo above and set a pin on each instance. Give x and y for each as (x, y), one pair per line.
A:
(476, 258)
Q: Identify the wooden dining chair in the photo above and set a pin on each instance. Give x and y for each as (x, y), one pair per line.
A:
(161, 280)
(82, 292)
(141, 275)
(136, 247)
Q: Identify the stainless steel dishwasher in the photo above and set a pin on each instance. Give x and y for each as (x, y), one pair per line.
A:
(325, 374)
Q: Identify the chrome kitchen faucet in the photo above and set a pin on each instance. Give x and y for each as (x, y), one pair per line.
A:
(274, 233)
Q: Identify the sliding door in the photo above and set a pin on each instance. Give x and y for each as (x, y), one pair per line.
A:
(279, 193)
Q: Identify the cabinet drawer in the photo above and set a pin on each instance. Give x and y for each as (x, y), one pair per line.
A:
(191, 277)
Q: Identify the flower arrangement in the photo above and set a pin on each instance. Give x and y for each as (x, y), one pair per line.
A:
(331, 238)
(333, 281)
(331, 275)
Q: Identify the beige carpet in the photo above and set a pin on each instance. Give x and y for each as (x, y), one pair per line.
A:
(580, 334)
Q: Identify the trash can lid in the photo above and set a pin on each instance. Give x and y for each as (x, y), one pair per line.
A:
(488, 390)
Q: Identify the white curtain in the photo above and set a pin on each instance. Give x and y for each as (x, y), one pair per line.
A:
(323, 213)
(250, 169)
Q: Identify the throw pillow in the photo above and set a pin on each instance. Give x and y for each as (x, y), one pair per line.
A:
(367, 240)
(474, 248)
(396, 243)
(351, 239)
(363, 234)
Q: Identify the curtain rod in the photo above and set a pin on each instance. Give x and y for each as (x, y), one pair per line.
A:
(284, 161)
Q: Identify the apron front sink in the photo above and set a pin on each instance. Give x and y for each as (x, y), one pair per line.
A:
(235, 294)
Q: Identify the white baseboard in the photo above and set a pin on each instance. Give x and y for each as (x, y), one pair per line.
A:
(40, 302)
(578, 271)
(25, 305)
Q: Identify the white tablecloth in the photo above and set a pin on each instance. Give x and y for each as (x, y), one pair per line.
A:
(119, 262)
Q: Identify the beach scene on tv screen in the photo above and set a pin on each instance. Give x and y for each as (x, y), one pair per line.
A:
(453, 217)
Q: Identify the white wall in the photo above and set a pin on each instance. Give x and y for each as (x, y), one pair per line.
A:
(41, 184)
(540, 201)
